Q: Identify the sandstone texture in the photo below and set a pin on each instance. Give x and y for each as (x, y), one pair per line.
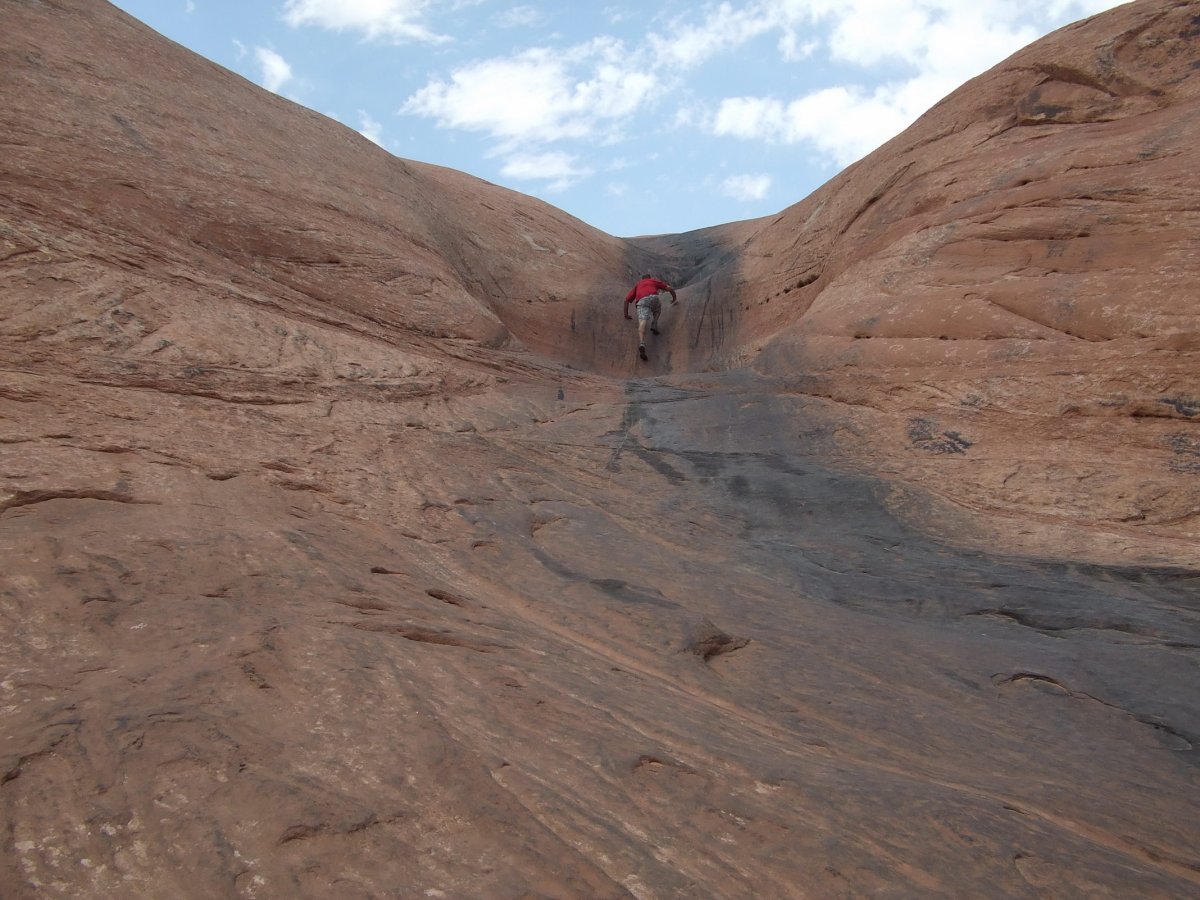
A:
(347, 550)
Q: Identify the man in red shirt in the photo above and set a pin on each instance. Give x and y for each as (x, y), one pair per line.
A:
(644, 295)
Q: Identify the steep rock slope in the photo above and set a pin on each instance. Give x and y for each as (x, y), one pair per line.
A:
(277, 206)
(318, 579)
(999, 305)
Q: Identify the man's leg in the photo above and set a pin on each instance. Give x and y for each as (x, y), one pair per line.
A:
(643, 314)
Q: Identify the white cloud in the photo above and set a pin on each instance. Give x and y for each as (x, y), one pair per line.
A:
(746, 187)
(844, 123)
(519, 17)
(687, 115)
(959, 39)
(617, 14)
(189, 7)
(941, 43)
(398, 20)
(926, 33)
(369, 128)
(528, 101)
(792, 50)
(722, 28)
(1077, 9)
(557, 168)
(749, 118)
(275, 69)
(241, 49)
(538, 95)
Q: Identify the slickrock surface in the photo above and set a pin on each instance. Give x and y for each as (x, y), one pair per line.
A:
(347, 550)
(1001, 304)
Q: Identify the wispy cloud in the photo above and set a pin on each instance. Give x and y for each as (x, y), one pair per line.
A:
(940, 44)
(275, 69)
(519, 17)
(397, 20)
(539, 95)
(722, 28)
(370, 128)
(844, 123)
(560, 170)
(746, 187)
(539, 98)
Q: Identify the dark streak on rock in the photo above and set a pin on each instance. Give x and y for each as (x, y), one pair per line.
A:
(1185, 406)
(447, 597)
(29, 498)
(626, 593)
(429, 636)
(922, 435)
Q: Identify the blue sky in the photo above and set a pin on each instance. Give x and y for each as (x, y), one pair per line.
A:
(637, 116)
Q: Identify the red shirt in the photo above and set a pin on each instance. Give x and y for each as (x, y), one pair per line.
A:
(645, 288)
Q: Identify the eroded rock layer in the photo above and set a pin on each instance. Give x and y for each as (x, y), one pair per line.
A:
(999, 305)
(346, 549)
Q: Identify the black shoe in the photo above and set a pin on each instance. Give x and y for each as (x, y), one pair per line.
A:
(654, 330)
(642, 351)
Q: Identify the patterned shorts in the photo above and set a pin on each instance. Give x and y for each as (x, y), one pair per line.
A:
(649, 307)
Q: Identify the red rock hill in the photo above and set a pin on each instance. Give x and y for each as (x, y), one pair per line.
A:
(347, 550)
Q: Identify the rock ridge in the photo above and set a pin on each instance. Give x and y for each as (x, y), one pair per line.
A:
(347, 550)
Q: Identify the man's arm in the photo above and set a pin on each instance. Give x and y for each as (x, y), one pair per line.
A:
(663, 286)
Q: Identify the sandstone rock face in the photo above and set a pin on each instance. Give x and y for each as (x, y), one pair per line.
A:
(346, 549)
(1018, 269)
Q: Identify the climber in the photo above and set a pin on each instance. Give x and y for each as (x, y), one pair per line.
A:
(644, 295)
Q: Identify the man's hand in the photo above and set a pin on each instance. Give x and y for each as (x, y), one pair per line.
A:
(627, 315)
